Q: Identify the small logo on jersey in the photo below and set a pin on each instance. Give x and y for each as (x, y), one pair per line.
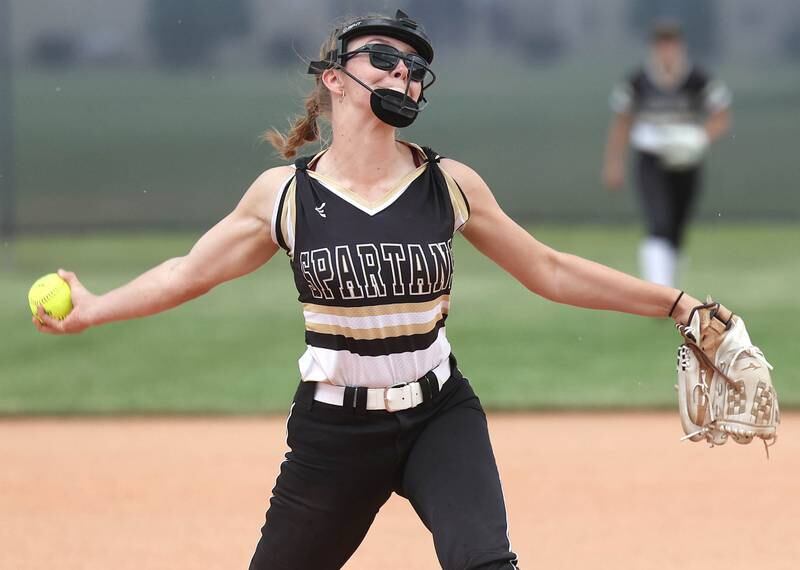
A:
(321, 210)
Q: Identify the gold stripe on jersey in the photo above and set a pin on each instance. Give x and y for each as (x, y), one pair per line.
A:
(387, 198)
(288, 216)
(460, 207)
(377, 333)
(378, 310)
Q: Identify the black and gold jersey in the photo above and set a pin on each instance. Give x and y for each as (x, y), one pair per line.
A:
(374, 279)
(654, 106)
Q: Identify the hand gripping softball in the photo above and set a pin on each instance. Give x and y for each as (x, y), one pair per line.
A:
(724, 384)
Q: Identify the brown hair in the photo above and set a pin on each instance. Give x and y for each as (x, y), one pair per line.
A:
(305, 128)
(665, 31)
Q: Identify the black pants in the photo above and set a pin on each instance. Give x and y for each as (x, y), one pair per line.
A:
(667, 197)
(344, 464)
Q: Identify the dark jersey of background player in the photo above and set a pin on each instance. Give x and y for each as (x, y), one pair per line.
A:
(669, 110)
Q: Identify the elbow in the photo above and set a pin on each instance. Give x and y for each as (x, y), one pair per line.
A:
(719, 124)
(194, 287)
(723, 125)
(727, 123)
(186, 283)
(194, 290)
(544, 275)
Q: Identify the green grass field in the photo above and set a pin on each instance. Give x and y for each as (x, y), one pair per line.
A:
(235, 350)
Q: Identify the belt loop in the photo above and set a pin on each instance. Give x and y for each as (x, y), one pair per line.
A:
(349, 401)
(433, 383)
(360, 404)
(425, 389)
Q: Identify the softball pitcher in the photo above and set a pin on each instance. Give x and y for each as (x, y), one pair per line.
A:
(368, 225)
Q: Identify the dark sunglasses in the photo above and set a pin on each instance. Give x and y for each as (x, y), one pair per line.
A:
(386, 58)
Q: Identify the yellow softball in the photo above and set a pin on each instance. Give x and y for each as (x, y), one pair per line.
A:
(52, 293)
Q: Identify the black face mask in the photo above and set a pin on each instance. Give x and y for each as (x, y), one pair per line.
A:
(390, 106)
(393, 108)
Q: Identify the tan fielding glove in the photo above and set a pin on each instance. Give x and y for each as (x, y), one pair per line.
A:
(724, 385)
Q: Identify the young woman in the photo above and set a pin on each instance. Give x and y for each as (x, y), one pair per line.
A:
(367, 224)
(670, 110)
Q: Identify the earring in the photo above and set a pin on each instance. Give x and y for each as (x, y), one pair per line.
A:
(341, 97)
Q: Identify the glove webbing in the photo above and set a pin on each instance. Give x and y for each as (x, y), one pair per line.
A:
(703, 357)
(717, 317)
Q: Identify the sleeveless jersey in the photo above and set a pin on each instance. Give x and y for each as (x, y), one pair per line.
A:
(374, 279)
(652, 106)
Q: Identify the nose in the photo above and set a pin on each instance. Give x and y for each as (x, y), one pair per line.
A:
(400, 71)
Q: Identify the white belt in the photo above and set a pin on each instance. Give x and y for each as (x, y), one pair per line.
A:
(391, 399)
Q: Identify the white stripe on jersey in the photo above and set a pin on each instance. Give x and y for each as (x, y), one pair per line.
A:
(621, 98)
(458, 200)
(275, 214)
(289, 222)
(380, 321)
(717, 96)
(343, 368)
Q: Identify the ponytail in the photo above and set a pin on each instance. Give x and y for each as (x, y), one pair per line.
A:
(304, 128)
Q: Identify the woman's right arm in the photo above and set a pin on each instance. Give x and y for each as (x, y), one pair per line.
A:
(616, 145)
(239, 244)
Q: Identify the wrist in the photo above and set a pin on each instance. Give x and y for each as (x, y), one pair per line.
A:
(91, 312)
(683, 309)
(675, 303)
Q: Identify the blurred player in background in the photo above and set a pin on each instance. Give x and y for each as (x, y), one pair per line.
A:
(670, 110)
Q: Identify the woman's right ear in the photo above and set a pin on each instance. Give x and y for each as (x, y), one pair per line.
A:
(332, 80)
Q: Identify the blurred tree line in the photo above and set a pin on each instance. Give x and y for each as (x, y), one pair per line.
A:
(189, 33)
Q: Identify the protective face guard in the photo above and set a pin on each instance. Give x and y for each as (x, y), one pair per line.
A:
(392, 107)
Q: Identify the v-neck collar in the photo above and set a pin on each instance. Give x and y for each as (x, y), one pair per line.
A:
(354, 199)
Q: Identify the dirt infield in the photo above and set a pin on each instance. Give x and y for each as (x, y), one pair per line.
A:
(597, 491)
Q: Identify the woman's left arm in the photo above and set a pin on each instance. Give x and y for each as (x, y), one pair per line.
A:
(717, 124)
(557, 276)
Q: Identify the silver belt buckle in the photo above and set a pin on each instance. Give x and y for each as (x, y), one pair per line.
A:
(397, 397)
